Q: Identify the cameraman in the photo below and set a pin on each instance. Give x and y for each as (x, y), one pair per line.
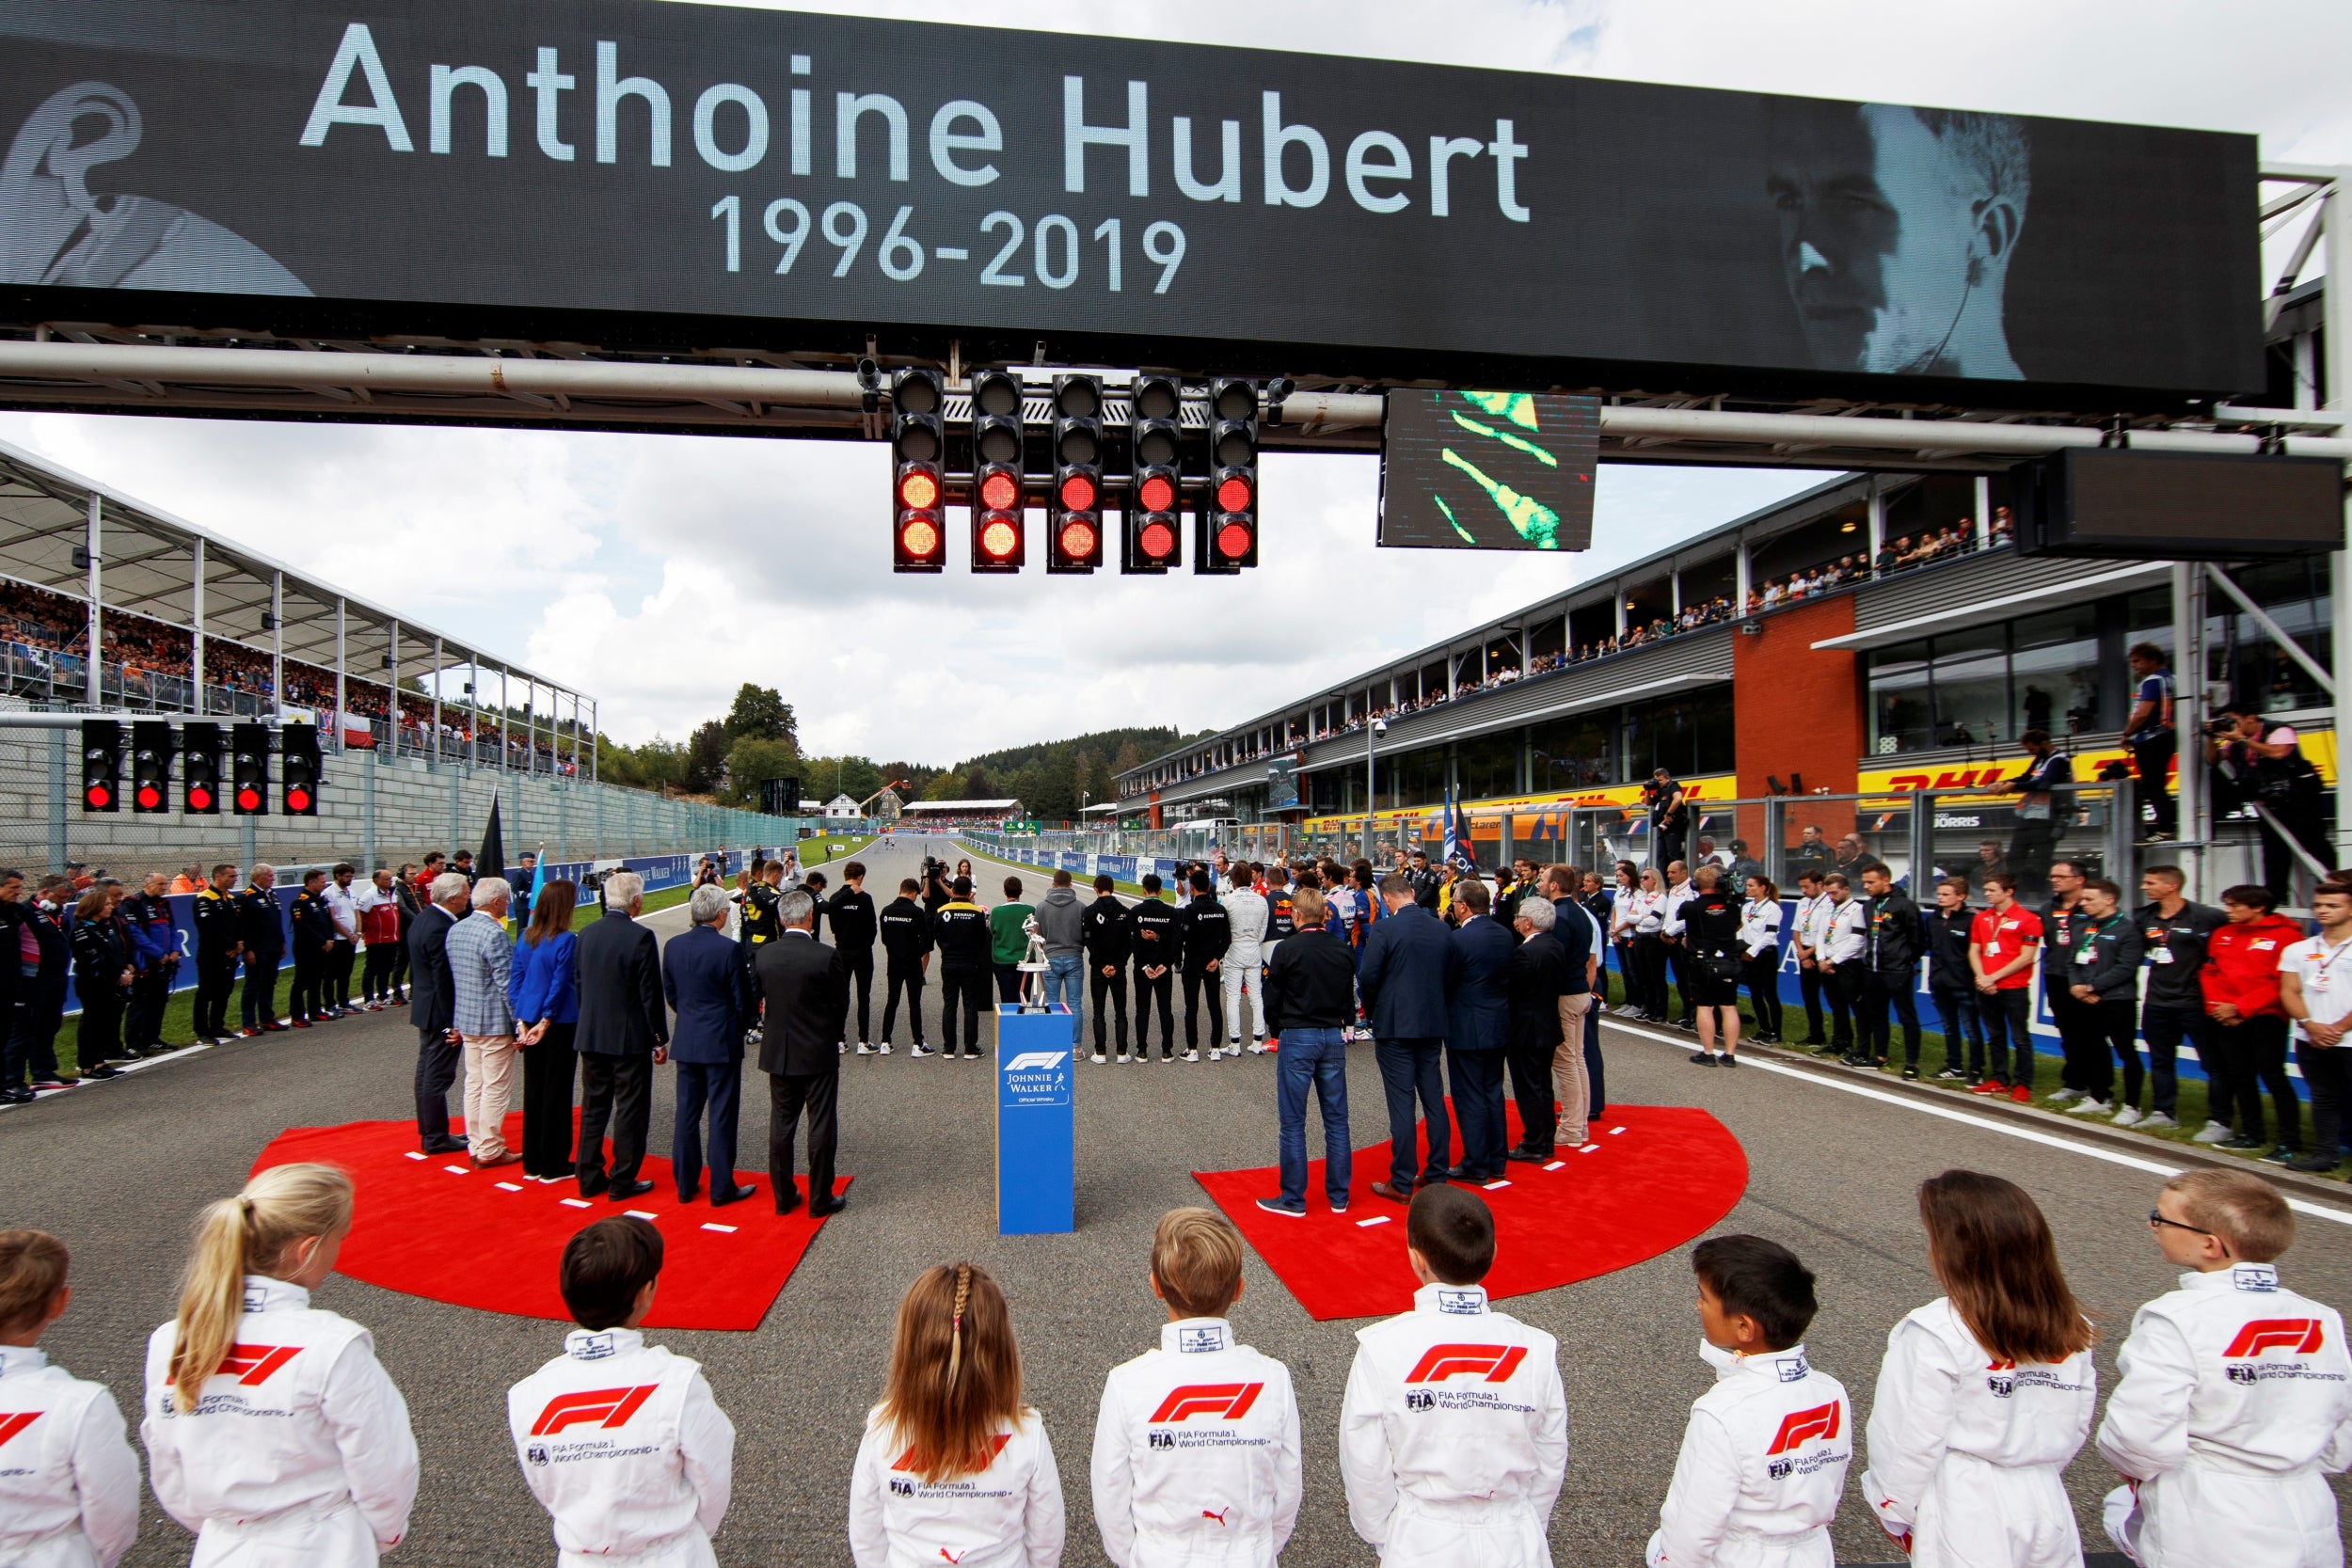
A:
(1669, 818)
(2262, 764)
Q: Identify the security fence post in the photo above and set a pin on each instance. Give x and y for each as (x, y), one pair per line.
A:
(58, 804)
(1922, 873)
(1775, 855)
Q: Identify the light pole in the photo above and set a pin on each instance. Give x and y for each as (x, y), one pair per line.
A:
(1373, 732)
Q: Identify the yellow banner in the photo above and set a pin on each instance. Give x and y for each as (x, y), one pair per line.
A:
(1899, 778)
(1485, 815)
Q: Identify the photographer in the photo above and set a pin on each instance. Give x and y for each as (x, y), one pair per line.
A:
(2262, 764)
(1669, 818)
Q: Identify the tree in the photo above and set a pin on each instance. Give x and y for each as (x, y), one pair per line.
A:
(760, 713)
(1128, 759)
(752, 762)
(705, 758)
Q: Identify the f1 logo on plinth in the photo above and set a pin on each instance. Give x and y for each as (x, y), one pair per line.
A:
(1036, 1126)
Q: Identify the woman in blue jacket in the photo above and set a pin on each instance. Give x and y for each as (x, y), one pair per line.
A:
(543, 990)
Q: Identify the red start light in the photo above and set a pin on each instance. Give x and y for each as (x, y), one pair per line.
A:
(919, 537)
(918, 490)
(1077, 493)
(999, 538)
(200, 797)
(298, 799)
(99, 795)
(1233, 540)
(150, 797)
(1000, 492)
(249, 799)
(1233, 495)
(1157, 540)
(1077, 538)
(1156, 494)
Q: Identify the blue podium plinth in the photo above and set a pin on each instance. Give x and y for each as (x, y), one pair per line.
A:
(1036, 1127)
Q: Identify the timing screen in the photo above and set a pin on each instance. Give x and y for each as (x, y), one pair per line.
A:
(1488, 470)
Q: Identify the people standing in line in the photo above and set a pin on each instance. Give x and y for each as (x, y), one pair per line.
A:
(1622, 934)
(1310, 998)
(954, 1465)
(624, 1034)
(1644, 915)
(906, 941)
(1061, 928)
(481, 957)
(2233, 1392)
(2316, 988)
(1844, 963)
(1478, 1030)
(219, 943)
(648, 1482)
(1426, 882)
(1680, 889)
(44, 965)
(704, 983)
(1809, 931)
(1009, 940)
(2062, 922)
(261, 932)
(311, 932)
(1243, 967)
(2003, 952)
(343, 910)
(1759, 954)
(1891, 933)
(543, 993)
(1401, 975)
(433, 1010)
(1584, 951)
(1107, 936)
(1707, 927)
(1159, 952)
(759, 913)
(814, 884)
(2173, 933)
(1281, 920)
(378, 912)
(854, 928)
(104, 973)
(69, 1496)
(1948, 929)
(2240, 981)
(1600, 902)
(156, 953)
(1545, 1047)
(2104, 982)
(313, 1461)
(2046, 797)
(462, 863)
(1205, 934)
(412, 901)
(2150, 737)
(1986, 1393)
(806, 986)
(966, 960)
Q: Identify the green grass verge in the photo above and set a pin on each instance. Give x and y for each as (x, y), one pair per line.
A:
(813, 851)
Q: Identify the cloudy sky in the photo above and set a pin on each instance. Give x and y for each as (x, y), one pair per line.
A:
(656, 573)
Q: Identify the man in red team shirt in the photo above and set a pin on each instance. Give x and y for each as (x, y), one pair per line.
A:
(2004, 945)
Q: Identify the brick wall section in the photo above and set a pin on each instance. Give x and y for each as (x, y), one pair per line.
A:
(1797, 708)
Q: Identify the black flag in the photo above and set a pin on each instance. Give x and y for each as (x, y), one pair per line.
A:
(491, 862)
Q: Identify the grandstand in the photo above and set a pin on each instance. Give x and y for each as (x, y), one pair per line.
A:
(959, 814)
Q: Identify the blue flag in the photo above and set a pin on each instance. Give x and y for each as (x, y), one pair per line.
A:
(1459, 852)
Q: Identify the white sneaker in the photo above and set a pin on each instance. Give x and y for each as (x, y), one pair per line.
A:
(2155, 1120)
(882, 1050)
(2212, 1132)
(1100, 1059)
(921, 1050)
(864, 1049)
(1258, 1047)
(1193, 1054)
(2060, 1097)
(1123, 1056)
(842, 1049)
(2128, 1116)
(2088, 1108)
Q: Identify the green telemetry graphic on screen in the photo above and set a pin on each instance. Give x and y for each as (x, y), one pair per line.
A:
(1488, 470)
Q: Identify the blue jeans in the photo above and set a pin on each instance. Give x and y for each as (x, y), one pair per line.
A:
(1065, 981)
(1317, 1057)
(1409, 1069)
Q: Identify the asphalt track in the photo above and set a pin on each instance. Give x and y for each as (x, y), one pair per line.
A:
(120, 1170)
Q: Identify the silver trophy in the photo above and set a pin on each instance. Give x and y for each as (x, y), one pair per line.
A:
(1033, 967)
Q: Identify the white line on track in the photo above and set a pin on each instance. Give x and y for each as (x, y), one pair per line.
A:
(1983, 1124)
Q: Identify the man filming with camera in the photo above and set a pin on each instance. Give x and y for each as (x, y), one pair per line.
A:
(2262, 764)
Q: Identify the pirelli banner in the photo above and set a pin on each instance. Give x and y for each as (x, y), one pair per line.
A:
(1217, 204)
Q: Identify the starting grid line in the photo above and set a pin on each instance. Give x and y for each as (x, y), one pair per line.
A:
(1982, 1124)
(566, 1202)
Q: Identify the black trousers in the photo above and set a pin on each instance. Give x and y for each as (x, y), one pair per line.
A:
(969, 986)
(336, 992)
(2165, 1027)
(1760, 972)
(2299, 820)
(1649, 975)
(2151, 759)
(548, 1071)
(1843, 989)
(1009, 983)
(1531, 1087)
(906, 979)
(1197, 981)
(788, 1093)
(259, 1004)
(100, 1036)
(1809, 985)
(2083, 1050)
(1164, 989)
(2329, 1074)
(1595, 1071)
(400, 966)
(215, 977)
(1678, 960)
(309, 983)
(2008, 1019)
(143, 1020)
(861, 962)
(376, 980)
(1963, 1027)
(616, 1091)
(2256, 1051)
(2110, 1025)
(1883, 991)
(437, 1069)
(2031, 848)
(1113, 989)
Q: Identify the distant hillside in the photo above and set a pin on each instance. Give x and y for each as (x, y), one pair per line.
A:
(1054, 778)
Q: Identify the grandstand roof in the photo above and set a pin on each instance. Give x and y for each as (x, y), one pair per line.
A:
(147, 564)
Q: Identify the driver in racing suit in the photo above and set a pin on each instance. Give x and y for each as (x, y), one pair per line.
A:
(1246, 919)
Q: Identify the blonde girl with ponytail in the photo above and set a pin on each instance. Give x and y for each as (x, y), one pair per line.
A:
(271, 1430)
(953, 1466)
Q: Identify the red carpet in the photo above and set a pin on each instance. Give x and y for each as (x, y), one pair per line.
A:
(434, 1226)
(1653, 1178)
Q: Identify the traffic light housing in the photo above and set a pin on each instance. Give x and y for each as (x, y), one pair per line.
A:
(101, 765)
(918, 448)
(1153, 532)
(999, 535)
(248, 769)
(151, 766)
(1074, 509)
(199, 769)
(1228, 537)
(298, 746)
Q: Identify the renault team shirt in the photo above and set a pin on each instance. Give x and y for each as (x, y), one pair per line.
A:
(2003, 935)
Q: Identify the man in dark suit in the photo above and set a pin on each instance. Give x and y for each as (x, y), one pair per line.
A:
(624, 1034)
(806, 987)
(1401, 975)
(433, 1008)
(703, 976)
(1478, 1023)
(1538, 977)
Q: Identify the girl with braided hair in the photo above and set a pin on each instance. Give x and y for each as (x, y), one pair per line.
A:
(954, 1467)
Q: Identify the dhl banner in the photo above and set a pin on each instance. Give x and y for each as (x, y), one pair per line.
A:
(1550, 811)
(1900, 778)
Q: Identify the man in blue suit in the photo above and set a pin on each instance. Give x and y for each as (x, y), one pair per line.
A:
(707, 986)
(1401, 975)
(1478, 1027)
